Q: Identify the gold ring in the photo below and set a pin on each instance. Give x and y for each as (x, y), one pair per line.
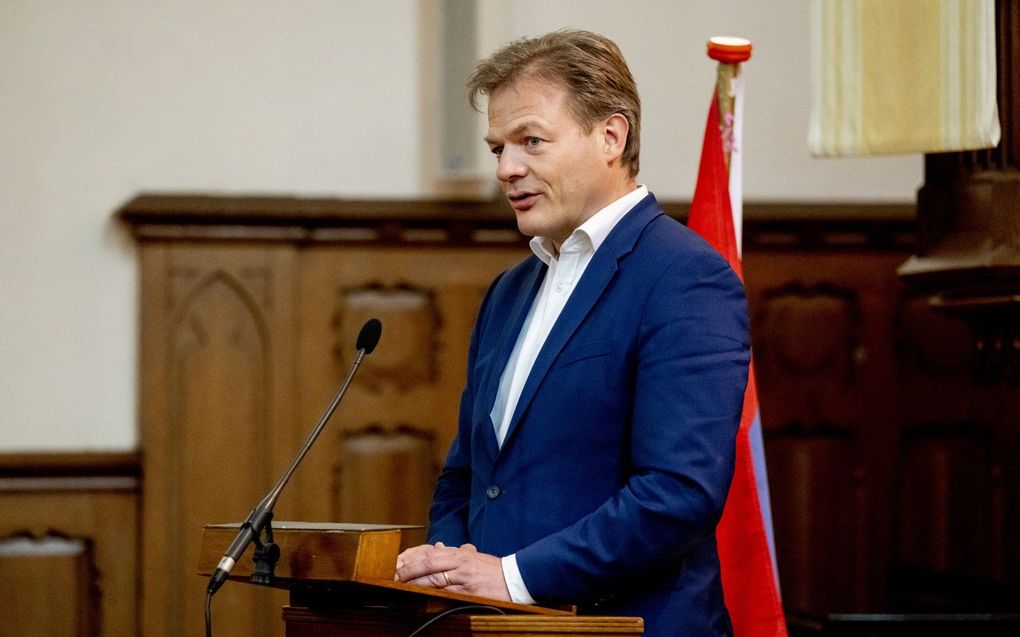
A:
(447, 578)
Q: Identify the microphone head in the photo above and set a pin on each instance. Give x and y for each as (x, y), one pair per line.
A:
(368, 338)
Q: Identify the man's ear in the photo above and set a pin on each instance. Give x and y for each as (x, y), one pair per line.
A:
(615, 129)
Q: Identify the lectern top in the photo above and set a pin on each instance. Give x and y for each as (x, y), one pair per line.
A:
(327, 556)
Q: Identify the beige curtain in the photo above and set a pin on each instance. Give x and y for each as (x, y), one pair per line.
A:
(902, 76)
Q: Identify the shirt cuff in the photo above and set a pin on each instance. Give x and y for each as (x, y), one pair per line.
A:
(514, 582)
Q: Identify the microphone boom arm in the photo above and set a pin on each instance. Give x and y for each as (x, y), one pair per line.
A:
(260, 519)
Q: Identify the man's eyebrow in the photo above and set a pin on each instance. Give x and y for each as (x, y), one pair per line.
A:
(516, 131)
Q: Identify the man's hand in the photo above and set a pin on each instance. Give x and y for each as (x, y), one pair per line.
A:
(461, 570)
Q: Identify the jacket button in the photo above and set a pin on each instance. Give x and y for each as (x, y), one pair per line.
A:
(493, 492)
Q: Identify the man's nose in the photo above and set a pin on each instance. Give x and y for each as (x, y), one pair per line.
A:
(510, 166)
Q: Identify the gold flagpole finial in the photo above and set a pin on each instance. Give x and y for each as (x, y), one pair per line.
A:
(729, 52)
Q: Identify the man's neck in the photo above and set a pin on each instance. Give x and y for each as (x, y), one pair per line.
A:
(598, 235)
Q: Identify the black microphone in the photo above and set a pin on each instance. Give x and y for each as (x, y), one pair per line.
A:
(369, 335)
(262, 514)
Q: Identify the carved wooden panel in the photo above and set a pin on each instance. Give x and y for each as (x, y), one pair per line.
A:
(244, 346)
(401, 412)
(69, 534)
(820, 517)
(48, 587)
(945, 500)
(385, 476)
(838, 348)
(811, 352)
(935, 355)
(822, 330)
(412, 323)
(217, 348)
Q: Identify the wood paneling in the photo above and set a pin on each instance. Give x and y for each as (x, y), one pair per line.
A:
(64, 604)
(245, 342)
(823, 331)
(890, 447)
(251, 307)
(218, 331)
(69, 533)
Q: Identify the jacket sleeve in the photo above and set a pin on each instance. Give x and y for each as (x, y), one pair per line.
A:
(692, 353)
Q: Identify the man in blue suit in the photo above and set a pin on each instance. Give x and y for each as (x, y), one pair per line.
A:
(606, 372)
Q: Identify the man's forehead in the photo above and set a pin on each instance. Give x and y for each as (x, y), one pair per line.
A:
(528, 102)
(527, 86)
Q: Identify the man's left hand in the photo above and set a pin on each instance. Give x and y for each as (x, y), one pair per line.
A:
(461, 570)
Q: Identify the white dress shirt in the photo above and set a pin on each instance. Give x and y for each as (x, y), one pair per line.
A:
(565, 267)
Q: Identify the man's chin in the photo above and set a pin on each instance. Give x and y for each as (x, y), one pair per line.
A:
(528, 229)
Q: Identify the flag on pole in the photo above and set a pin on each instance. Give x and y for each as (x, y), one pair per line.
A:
(746, 545)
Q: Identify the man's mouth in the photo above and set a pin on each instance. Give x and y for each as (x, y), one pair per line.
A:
(521, 201)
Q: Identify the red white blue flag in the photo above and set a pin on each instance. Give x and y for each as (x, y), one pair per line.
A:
(746, 544)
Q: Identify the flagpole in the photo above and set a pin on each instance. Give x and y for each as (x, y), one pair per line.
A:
(730, 52)
(750, 579)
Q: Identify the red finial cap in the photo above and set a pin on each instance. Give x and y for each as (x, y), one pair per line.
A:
(729, 50)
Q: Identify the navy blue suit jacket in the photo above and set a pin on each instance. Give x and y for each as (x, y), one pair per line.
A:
(618, 458)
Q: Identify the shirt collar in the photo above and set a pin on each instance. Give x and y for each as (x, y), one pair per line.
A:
(593, 232)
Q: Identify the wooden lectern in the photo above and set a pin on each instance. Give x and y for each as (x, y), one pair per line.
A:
(340, 578)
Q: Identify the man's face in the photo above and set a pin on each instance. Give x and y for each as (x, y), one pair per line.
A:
(553, 173)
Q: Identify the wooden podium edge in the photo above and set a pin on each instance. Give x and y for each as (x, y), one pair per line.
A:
(438, 593)
(327, 556)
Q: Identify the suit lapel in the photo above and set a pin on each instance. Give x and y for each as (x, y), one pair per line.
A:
(519, 312)
(590, 288)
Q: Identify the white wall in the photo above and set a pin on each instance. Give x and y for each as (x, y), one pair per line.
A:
(100, 101)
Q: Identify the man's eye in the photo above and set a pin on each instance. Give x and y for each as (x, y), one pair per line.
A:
(532, 141)
(496, 150)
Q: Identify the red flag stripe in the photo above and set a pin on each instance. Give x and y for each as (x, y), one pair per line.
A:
(750, 584)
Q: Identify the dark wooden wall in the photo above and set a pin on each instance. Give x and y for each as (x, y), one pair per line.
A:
(892, 453)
